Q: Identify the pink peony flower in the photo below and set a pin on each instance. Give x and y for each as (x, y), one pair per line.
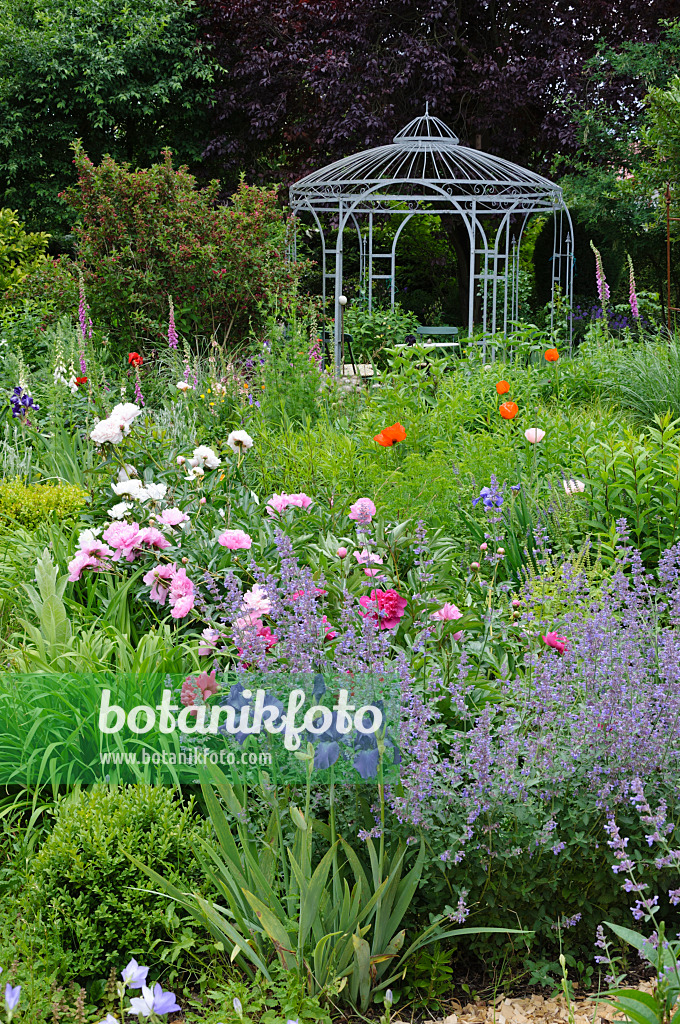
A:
(534, 435)
(210, 638)
(277, 503)
(153, 538)
(181, 594)
(249, 623)
(197, 689)
(256, 601)
(190, 693)
(173, 517)
(385, 606)
(125, 538)
(365, 557)
(159, 579)
(329, 634)
(235, 540)
(558, 642)
(362, 510)
(299, 500)
(280, 502)
(84, 560)
(266, 632)
(448, 613)
(315, 592)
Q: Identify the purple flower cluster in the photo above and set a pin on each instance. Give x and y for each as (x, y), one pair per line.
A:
(21, 401)
(593, 719)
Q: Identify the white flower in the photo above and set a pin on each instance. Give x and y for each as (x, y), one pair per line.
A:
(180, 460)
(106, 431)
(573, 486)
(117, 425)
(239, 441)
(156, 491)
(126, 413)
(119, 510)
(127, 473)
(195, 472)
(86, 538)
(183, 386)
(205, 457)
(131, 488)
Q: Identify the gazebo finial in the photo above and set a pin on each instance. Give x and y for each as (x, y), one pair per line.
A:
(427, 108)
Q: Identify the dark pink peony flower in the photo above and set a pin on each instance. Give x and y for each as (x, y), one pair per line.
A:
(386, 607)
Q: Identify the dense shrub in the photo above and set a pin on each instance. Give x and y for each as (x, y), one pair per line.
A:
(147, 234)
(83, 880)
(20, 250)
(46, 293)
(31, 504)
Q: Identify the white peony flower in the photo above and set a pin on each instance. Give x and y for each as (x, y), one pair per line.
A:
(239, 441)
(182, 385)
(206, 457)
(127, 473)
(126, 412)
(117, 425)
(195, 473)
(120, 510)
(107, 432)
(156, 491)
(131, 488)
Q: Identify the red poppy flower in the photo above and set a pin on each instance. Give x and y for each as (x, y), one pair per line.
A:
(134, 359)
(552, 355)
(81, 380)
(509, 410)
(502, 387)
(390, 435)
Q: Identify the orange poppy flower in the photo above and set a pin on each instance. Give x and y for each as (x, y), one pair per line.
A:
(509, 410)
(502, 387)
(390, 435)
(552, 355)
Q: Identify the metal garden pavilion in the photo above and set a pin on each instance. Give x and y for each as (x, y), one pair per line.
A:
(426, 171)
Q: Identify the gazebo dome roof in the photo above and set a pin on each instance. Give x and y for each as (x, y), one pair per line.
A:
(424, 159)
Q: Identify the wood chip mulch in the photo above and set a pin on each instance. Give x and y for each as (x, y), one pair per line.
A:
(534, 1009)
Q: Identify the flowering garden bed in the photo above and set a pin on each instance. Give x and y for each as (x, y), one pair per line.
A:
(482, 556)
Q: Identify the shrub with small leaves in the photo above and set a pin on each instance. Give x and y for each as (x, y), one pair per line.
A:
(31, 504)
(83, 880)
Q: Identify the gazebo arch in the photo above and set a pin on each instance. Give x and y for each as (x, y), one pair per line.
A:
(425, 170)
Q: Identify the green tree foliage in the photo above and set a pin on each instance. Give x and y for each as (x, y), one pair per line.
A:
(125, 76)
(615, 183)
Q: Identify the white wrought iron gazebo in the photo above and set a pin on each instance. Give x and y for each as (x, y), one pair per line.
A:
(426, 171)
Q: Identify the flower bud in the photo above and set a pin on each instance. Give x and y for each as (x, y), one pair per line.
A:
(474, 565)
(501, 551)
(483, 547)
(180, 460)
(516, 602)
(202, 501)
(185, 560)
(342, 552)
